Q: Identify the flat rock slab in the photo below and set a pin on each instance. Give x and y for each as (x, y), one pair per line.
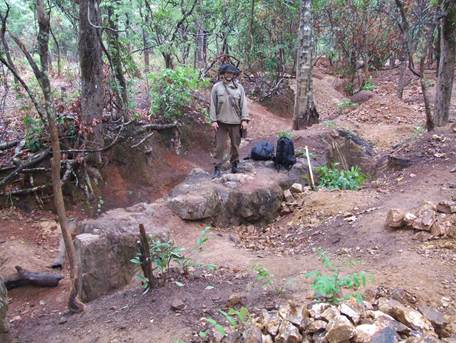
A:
(106, 244)
(252, 196)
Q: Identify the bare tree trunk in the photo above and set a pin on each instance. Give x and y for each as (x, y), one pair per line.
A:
(305, 112)
(91, 63)
(116, 58)
(403, 69)
(59, 62)
(168, 60)
(250, 46)
(43, 43)
(146, 52)
(446, 66)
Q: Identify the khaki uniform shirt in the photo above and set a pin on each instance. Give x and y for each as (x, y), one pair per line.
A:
(221, 109)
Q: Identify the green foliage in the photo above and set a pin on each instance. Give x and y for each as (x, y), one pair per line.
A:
(171, 91)
(368, 85)
(331, 285)
(285, 134)
(334, 178)
(345, 104)
(235, 319)
(34, 129)
(330, 124)
(203, 237)
(263, 275)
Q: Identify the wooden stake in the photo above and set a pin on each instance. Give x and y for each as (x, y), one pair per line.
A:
(146, 264)
(312, 182)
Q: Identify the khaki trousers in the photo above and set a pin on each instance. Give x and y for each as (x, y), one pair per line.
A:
(233, 131)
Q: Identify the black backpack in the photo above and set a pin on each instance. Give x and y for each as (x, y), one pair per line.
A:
(262, 151)
(285, 155)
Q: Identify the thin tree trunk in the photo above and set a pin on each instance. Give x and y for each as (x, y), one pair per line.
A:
(250, 46)
(59, 62)
(305, 112)
(43, 43)
(403, 69)
(446, 66)
(116, 59)
(146, 52)
(91, 64)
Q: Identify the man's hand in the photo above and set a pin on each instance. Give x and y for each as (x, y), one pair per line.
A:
(215, 126)
(244, 125)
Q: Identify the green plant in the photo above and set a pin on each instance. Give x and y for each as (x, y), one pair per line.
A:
(203, 237)
(368, 85)
(235, 318)
(171, 91)
(331, 285)
(334, 178)
(330, 124)
(162, 255)
(34, 129)
(285, 134)
(345, 104)
(263, 275)
(418, 131)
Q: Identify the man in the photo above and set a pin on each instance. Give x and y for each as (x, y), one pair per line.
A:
(228, 113)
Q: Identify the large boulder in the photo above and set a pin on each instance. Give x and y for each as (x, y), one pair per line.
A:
(106, 244)
(349, 150)
(254, 195)
(3, 308)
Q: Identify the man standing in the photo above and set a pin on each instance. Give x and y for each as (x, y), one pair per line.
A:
(228, 115)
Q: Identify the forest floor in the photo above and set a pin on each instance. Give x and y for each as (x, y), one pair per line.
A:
(400, 259)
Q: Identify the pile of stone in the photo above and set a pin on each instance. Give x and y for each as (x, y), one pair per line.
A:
(385, 320)
(438, 219)
(292, 198)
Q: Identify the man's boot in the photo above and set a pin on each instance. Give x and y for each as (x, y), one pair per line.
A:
(217, 173)
(235, 167)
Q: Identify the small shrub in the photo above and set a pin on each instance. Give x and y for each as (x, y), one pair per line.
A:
(285, 134)
(333, 178)
(330, 124)
(236, 319)
(171, 91)
(331, 285)
(263, 276)
(368, 85)
(34, 129)
(345, 104)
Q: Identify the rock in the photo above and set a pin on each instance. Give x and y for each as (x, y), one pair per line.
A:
(252, 335)
(409, 218)
(447, 207)
(255, 200)
(316, 310)
(288, 333)
(364, 333)
(62, 320)
(425, 218)
(288, 196)
(361, 96)
(296, 315)
(339, 329)
(177, 305)
(316, 326)
(383, 320)
(106, 245)
(330, 313)
(266, 339)
(296, 188)
(238, 178)
(196, 206)
(385, 335)
(271, 322)
(319, 337)
(403, 314)
(442, 323)
(441, 228)
(236, 299)
(4, 327)
(351, 310)
(350, 150)
(395, 218)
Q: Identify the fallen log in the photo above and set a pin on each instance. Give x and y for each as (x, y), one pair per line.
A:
(10, 144)
(26, 278)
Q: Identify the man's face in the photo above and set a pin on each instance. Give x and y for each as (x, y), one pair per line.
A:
(229, 77)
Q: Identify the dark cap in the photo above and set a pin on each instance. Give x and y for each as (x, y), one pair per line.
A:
(229, 68)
